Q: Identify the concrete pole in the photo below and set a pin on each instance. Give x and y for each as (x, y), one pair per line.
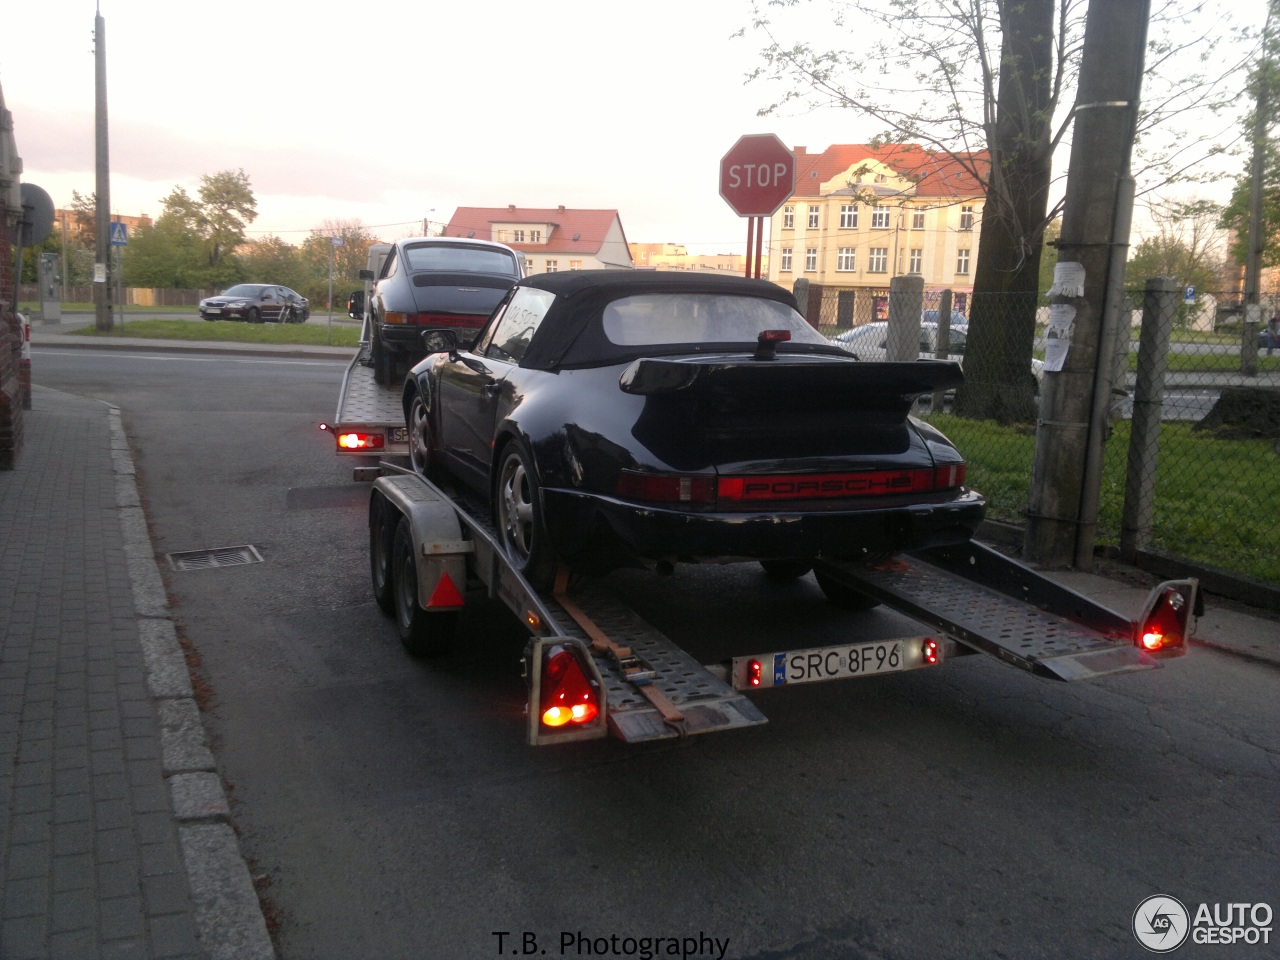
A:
(1105, 112)
(906, 299)
(102, 211)
(1159, 304)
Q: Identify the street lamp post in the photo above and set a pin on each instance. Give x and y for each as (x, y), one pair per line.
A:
(333, 242)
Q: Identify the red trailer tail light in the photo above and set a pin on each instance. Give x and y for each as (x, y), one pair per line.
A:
(930, 652)
(754, 670)
(569, 697)
(360, 441)
(1164, 624)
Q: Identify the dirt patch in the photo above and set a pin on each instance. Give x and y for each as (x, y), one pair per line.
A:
(1244, 413)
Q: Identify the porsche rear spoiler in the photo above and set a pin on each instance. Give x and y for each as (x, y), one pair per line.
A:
(805, 375)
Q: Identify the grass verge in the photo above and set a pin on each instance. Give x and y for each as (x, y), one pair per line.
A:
(305, 334)
(1211, 504)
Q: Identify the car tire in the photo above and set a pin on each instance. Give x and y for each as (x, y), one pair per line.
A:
(844, 596)
(382, 520)
(419, 430)
(381, 360)
(254, 315)
(784, 571)
(517, 511)
(423, 634)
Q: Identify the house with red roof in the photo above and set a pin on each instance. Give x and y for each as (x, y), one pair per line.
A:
(862, 214)
(549, 239)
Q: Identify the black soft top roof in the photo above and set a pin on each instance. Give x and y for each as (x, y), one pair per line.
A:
(581, 296)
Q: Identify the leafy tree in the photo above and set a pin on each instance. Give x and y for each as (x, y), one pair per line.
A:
(84, 218)
(1235, 215)
(227, 207)
(1187, 246)
(981, 81)
(273, 260)
(348, 259)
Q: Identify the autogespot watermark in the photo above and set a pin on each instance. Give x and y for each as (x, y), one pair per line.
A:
(1162, 924)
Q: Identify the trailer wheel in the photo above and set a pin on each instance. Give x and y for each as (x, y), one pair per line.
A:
(381, 530)
(423, 634)
(844, 596)
(784, 571)
(517, 510)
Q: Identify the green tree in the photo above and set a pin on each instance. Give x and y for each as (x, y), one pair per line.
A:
(1187, 246)
(986, 82)
(348, 259)
(273, 260)
(1235, 215)
(227, 206)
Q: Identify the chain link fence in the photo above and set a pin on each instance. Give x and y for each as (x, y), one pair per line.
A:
(1192, 463)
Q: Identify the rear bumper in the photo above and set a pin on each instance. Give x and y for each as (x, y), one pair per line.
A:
(577, 522)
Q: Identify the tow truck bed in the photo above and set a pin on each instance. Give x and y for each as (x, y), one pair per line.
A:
(369, 419)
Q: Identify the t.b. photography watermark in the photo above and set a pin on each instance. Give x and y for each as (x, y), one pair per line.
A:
(575, 943)
(1162, 924)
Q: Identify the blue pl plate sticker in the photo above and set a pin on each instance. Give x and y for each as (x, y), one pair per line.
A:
(779, 669)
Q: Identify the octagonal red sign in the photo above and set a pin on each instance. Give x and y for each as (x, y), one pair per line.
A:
(757, 175)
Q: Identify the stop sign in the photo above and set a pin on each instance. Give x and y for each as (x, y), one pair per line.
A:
(757, 175)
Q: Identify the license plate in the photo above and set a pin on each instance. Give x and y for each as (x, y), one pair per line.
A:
(214, 310)
(841, 662)
(398, 434)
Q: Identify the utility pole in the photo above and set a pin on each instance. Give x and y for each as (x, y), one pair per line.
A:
(102, 211)
(1075, 400)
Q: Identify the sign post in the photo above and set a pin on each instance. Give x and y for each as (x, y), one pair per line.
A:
(757, 176)
(119, 234)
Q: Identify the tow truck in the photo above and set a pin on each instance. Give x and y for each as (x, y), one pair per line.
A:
(596, 669)
(370, 419)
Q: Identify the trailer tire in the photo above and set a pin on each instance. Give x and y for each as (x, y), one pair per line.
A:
(517, 511)
(784, 571)
(844, 596)
(382, 519)
(423, 634)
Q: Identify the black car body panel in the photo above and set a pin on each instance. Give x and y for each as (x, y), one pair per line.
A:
(817, 447)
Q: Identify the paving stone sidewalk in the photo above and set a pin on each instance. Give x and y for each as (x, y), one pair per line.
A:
(114, 832)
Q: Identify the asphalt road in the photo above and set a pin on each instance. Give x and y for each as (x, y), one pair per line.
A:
(391, 809)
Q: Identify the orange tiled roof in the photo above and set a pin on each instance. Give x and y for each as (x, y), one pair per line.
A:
(569, 231)
(937, 174)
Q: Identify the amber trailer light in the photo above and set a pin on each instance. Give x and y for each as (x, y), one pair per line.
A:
(566, 694)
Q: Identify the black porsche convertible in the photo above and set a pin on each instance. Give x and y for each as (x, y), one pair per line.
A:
(616, 417)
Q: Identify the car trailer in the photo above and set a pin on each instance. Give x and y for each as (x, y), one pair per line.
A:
(595, 668)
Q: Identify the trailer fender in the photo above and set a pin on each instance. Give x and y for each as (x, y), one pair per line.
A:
(440, 545)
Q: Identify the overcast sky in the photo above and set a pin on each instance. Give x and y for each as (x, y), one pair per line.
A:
(421, 107)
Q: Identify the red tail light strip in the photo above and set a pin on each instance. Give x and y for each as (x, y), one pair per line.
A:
(708, 489)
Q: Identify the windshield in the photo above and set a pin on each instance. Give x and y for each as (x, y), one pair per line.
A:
(448, 258)
(244, 290)
(701, 318)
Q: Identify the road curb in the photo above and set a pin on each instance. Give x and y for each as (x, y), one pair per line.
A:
(227, 910)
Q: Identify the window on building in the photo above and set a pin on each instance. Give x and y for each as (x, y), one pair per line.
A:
(535, 236)
(553, 266)
(915, 260)
(962, 261)
(880, 217)
(519, 236)
(846, 258)
(813, 218)
(786, 260)
(788, 217)
(575, 264)
(966, 217)
(848, 216)
(811, 259)
(502, 236)
(878, 260)
(917, 219)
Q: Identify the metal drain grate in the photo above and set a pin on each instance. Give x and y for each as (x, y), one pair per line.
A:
(219, 557)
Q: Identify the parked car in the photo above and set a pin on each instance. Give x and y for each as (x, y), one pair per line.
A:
(616, 417)
(257, 303)
(871, 340)
(433, 282)
(1269, 338)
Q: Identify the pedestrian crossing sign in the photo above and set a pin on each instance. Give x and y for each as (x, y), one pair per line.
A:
(119, 234)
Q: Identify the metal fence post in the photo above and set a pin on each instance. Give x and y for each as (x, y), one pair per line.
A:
(1159, 303)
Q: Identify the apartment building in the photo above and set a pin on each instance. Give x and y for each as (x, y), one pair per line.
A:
(861, 215)
(675, 256)
(549, 239)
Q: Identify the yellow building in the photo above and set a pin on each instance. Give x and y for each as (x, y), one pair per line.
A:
(674, 256)
(861, 215)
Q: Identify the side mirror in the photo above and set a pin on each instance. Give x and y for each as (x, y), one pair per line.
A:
(355, 305)
(366, 275)
(440, 340)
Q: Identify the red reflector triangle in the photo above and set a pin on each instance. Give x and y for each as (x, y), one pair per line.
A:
(445, 594)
